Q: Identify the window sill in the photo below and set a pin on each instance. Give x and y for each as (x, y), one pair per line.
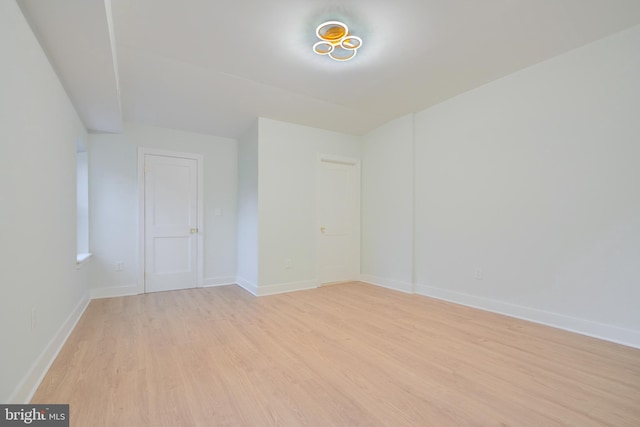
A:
(82, 259)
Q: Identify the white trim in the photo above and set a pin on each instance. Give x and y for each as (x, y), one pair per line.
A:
(247, 286)
(331, 158)
(114, 291)
(396, 285)
(141, 262)
(414, 197)
(218, 281)
(31, 381)
(286, 287)
(82, 259)
(200, 260)
(142, 151)
(581, 326)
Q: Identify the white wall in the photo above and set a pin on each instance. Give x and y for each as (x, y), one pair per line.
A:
(387, 205)
(114, 203)
(288, 155)
(113, 207)
(38, 132)
(535, 180)
(247, 273)
(82, 200)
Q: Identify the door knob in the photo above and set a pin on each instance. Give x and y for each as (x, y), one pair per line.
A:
(194, 230)
(323, 229)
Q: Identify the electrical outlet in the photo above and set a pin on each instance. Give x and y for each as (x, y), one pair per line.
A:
(478, 275)
(119, 266)
(34, 318)
(287, 264)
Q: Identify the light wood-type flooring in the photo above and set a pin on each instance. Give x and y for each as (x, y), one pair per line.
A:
(343, 355)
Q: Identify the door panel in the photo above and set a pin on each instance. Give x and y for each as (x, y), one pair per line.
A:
(335, 209)
(172, 255)
(171, 223)
(338, 221)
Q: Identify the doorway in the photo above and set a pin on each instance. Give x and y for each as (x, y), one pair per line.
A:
(170, 220)
(338, 213)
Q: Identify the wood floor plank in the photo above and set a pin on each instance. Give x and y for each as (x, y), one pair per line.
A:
(342, 355)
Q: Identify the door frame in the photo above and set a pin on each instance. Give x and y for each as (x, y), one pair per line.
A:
(142, 152)
(356, 163)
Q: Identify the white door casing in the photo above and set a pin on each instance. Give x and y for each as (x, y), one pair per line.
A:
(338, 225)
(171, 212)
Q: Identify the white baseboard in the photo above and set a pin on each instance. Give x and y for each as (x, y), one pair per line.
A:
(286, 287)
(114, 291)
(396, 285)
(218, 281)
(247, 285)
(30, 383)
(581, 326)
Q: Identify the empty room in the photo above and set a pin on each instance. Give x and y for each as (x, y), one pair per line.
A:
(320, 213)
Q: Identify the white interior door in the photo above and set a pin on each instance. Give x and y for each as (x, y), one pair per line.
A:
(170, 222)
(338, 258)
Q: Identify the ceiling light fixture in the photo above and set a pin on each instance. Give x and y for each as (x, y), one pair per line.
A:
(336, 41)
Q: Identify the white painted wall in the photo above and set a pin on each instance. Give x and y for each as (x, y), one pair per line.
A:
(114, 203)
(38, 132)
(82, 200)
(288, 155)
(535, 179)
(113, 207)
(387, 205)
(247, 274)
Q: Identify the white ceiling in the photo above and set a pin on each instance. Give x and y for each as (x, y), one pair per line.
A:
(77, 37)
(214, 66)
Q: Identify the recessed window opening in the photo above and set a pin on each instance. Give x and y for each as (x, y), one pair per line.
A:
(82, 201)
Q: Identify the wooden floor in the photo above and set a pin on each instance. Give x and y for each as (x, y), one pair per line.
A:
(342, 355)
